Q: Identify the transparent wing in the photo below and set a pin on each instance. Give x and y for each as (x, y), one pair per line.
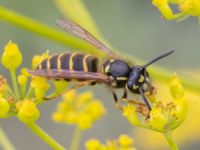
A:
(84, 34)
(69, 74)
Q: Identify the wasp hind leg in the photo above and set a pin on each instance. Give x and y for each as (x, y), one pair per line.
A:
(76, 86)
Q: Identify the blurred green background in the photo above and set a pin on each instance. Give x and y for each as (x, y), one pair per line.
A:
(133, 26)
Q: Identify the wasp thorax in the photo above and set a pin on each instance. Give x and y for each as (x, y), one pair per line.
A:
(139, 79)
(118, 71)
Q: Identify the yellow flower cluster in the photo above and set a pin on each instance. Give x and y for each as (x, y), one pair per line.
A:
(186, 8)
(164, 115)
(81, 110)
(124, 142)
(27, 111)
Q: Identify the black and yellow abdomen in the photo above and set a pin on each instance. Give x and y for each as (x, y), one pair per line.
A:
(71, 61)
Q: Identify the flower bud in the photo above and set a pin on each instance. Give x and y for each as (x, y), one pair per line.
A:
(92, 144)
(37, 59)
(176, 88)
(22, 79)
(4, 107)
(125, 140)
(40, 86)
(12, 57)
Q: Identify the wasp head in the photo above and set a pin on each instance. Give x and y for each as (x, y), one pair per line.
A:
(139, 79)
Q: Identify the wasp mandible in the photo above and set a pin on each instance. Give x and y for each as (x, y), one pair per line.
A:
(85, 68)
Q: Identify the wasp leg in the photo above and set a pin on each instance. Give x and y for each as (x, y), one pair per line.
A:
(125, 95)
(117, 104)
(145, 99)
(133, 102)
(76, 86)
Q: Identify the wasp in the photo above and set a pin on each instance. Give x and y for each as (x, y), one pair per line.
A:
(115, 72)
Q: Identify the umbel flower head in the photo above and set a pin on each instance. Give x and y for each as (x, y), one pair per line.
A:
(81, 110)
(164, 115)
(186, 8)
(124, 142)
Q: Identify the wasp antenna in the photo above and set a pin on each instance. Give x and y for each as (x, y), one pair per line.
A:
(158, 58)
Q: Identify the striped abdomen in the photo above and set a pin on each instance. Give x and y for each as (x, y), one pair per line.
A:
(71, 61)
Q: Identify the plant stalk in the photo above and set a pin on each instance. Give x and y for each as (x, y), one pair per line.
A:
(170, 140)
(5, 142)
(45, 137)
(76, 139)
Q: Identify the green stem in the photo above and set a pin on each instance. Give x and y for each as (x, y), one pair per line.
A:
(171, 142)
(22, 91)
(45, 30)
(14, 82)
(30, 92)
(45, 137)
(76, 139)
(5, 142)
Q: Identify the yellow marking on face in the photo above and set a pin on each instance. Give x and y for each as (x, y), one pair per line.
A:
(71, 63)
(111, 60)
(58, 61)
(107, 68)
(122, 78)
(148, 79)
(135, 87)
(85, 67)
(48, 63)
(141, 79)
(145, 86)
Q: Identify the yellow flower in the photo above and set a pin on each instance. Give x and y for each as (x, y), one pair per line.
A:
(84, 121)
(192, 7)
(40, 86)
(28, 111)
(58, 117)
(129, 112)
(92, 144)
(186, 7)
(163, 116)
(124, 142)
(157, 119)
(190, 105)
(81, 110)
(176, 88)
(4, 107)
(11, 57)
(96, 109)
(37, 59)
